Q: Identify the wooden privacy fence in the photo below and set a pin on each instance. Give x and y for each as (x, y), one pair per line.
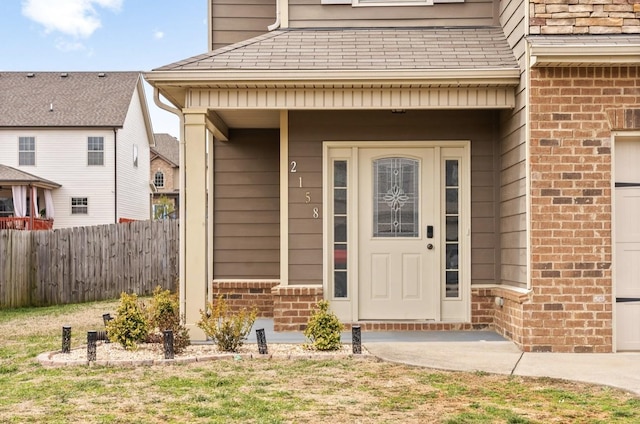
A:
(82, 264)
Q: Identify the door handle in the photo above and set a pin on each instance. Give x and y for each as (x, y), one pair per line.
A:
(430, 246)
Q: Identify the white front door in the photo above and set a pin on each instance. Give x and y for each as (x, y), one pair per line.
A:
(627, 248)
(398, 253)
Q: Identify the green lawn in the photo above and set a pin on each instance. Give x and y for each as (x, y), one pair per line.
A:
(269, 391)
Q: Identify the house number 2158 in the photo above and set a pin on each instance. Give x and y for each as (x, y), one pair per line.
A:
(293, 168)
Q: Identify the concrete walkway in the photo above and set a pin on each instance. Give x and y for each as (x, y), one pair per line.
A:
(485, 351)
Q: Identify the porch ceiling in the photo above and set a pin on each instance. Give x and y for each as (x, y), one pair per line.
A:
(345, 68)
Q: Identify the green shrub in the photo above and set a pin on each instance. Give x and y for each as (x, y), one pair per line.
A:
(130, 325)
(164, 314)
(323, 329)
(227, 329)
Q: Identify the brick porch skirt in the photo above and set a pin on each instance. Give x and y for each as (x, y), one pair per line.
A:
(291, 306)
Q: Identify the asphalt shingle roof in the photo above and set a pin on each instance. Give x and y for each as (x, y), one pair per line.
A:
(361, 49)
(168, 147)
(13, 175)
(65, 99)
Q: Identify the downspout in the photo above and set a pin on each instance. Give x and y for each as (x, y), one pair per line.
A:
(115, 175)
(276, 24)
(181, 228)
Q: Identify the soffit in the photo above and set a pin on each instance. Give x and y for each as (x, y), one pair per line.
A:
(584, 50)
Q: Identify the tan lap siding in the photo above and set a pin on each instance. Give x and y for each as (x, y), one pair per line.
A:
(513, 150)
(305, 213)
(313, 14)
(247, 208)
(307, 131)
(238, 20)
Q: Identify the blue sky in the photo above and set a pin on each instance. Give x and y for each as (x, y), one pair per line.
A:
(102, 35)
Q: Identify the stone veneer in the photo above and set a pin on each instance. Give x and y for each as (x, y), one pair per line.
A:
(584, 16)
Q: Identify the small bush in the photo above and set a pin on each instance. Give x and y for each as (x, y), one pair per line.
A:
(130, 326)
(164, 314)
(323, 329)
(228, 330)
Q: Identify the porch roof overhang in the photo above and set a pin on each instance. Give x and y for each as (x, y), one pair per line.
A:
(584, 50)
(411, 68)
(14, 177)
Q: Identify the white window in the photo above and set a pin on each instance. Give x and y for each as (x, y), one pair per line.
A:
(158, 179)
(392, 2)
(389, 2)
(135, 155)
(95, 151)
(79, 206)
(26, 151)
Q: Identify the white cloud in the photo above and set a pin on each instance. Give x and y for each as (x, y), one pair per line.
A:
(78, 18)
(158, 35)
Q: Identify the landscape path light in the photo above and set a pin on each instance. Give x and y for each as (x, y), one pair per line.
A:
(262, 342)
(66, 339)
(356, 339)
(92, 337)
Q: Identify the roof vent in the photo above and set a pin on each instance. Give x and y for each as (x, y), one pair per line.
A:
(64, 75)
(102, 75)
(31, 75)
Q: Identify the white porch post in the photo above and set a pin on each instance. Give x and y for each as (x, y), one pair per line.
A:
(195, 243)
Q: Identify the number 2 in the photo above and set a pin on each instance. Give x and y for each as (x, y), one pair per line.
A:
(294, 166)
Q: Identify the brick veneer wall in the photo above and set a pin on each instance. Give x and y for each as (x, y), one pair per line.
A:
(584, 16)
(573, 112)
(246, 294)
(293, 305)
(159, 164)
(506, 318)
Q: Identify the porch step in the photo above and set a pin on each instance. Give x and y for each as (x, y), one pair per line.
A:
(417, 326)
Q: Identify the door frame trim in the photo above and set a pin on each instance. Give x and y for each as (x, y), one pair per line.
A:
(347, 309)
(615, 137)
